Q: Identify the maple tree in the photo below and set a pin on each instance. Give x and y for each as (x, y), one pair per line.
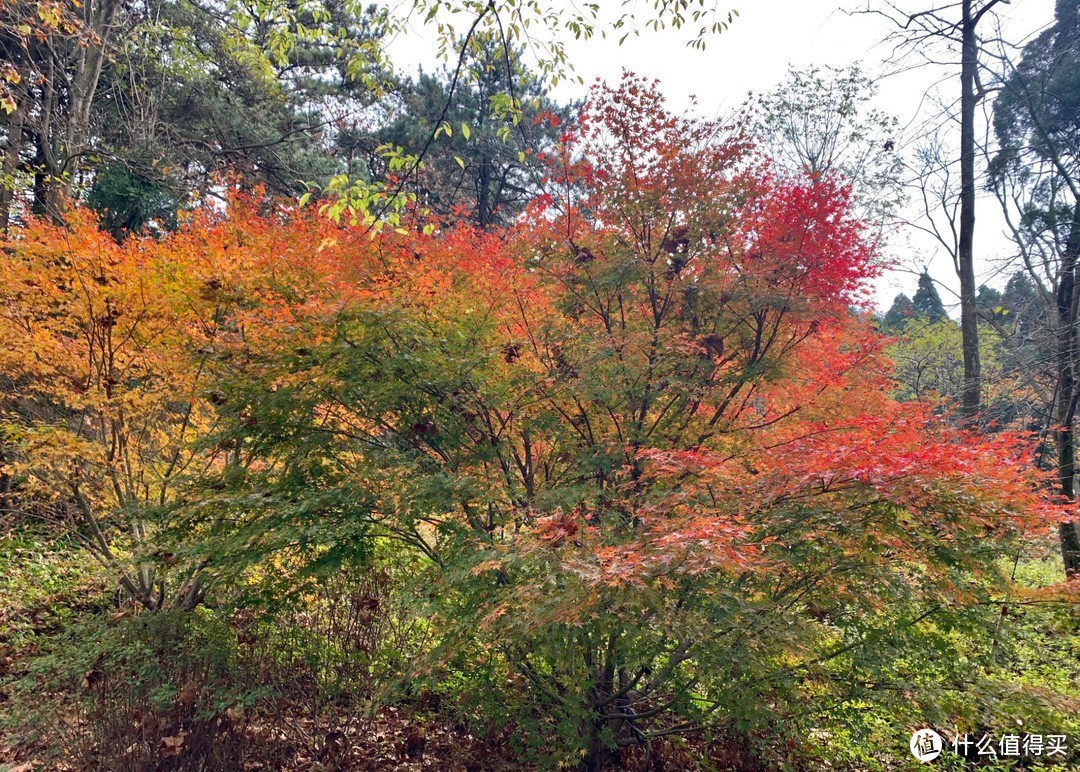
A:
(110, 351)
(100, 398)
(639, 443)
(641, 440)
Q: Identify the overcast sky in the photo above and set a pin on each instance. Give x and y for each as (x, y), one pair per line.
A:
(754, 54)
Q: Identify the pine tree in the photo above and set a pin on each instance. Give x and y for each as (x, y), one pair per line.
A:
(899, 313)
(927, 302)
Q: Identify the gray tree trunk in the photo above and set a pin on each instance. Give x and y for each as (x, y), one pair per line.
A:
(965, 256)
(1065, 406)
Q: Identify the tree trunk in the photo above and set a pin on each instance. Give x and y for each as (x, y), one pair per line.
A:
(10, 165)
(965, 256)
(1065, 407)
(47, 196)
(484, 208)
(61, 126)
(100, 17)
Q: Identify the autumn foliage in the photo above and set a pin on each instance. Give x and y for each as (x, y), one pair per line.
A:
(640, 443)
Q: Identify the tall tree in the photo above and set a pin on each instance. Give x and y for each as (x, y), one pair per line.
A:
(971, 93)
(1036, 175)
(957, 24)
(145, 103)
(819, 121)
(488, 165)
(53, 56)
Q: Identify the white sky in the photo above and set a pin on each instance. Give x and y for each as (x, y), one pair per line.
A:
(754, 55)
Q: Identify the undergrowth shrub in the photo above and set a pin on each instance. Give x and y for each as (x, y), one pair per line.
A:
(215, 687)
(157, 691)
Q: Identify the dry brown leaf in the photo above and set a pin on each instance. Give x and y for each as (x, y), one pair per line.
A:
(171, 746)
(92, 679)
(187, 695)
